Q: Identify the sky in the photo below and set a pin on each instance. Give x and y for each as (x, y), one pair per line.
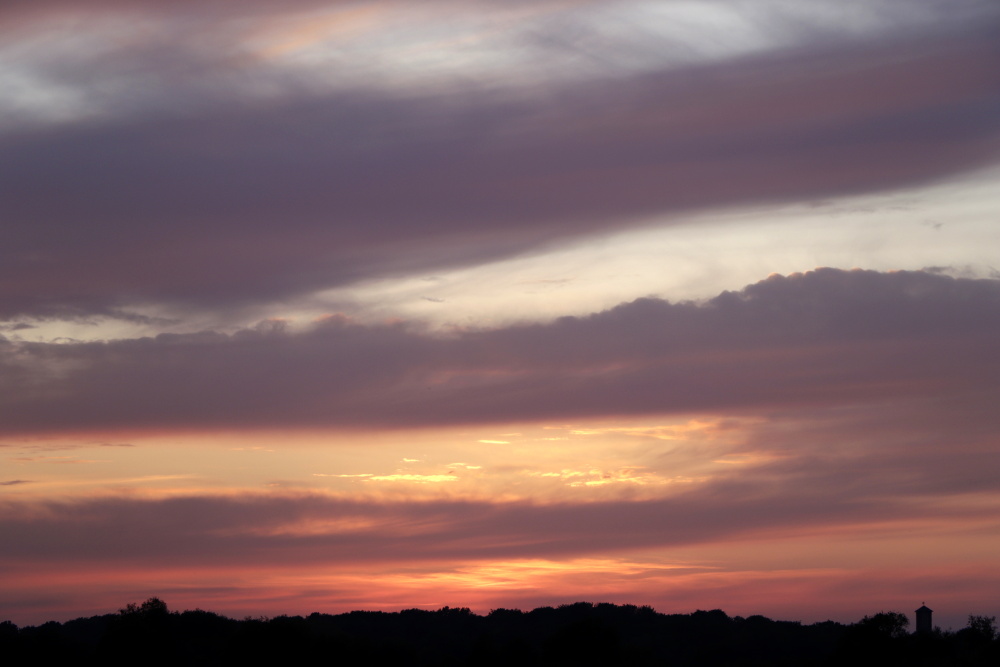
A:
(350, 304)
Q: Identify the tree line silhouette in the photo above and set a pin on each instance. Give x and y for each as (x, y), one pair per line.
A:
(575, 634)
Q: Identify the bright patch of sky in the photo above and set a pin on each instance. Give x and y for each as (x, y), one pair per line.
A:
(951, 227)
(587, 457)
(74, 68)
(532, 42)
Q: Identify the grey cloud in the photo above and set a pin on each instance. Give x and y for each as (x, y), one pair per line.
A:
(828, 337)
(42, 9)
(231, 202)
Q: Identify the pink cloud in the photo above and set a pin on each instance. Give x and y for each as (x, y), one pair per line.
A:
(199, 556)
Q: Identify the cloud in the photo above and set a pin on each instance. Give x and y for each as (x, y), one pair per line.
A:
(793, 497)
(57, 459)
(214, 199)
(412, 477)
(222, 529)
(15, 482)
(827, 337)
(366, 474)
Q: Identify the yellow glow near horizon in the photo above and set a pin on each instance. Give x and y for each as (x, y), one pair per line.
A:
(537, 462)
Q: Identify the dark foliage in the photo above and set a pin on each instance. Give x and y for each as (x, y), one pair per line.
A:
(576, 634)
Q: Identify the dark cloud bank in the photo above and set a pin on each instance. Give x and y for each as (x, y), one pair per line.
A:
(823, 338)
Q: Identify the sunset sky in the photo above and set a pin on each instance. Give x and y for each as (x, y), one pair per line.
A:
(325, 305)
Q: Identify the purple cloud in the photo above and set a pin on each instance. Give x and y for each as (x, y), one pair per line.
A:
(222, 202)
(828, 337)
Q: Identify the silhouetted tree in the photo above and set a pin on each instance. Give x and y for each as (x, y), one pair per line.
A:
(574, 634)
(891, 624)
(875, 639)
(983, 626)
(141, 629)
(152, 608)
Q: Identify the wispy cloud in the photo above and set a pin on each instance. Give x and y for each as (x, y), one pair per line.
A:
(362, 475)
(66, 460)
(412, 477)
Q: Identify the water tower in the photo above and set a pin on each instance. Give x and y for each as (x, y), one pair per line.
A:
(923, 619)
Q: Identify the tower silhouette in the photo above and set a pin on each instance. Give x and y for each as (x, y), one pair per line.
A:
(923, 619)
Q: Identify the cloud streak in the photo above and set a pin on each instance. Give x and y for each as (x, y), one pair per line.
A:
(826, 337)
(821, 483)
